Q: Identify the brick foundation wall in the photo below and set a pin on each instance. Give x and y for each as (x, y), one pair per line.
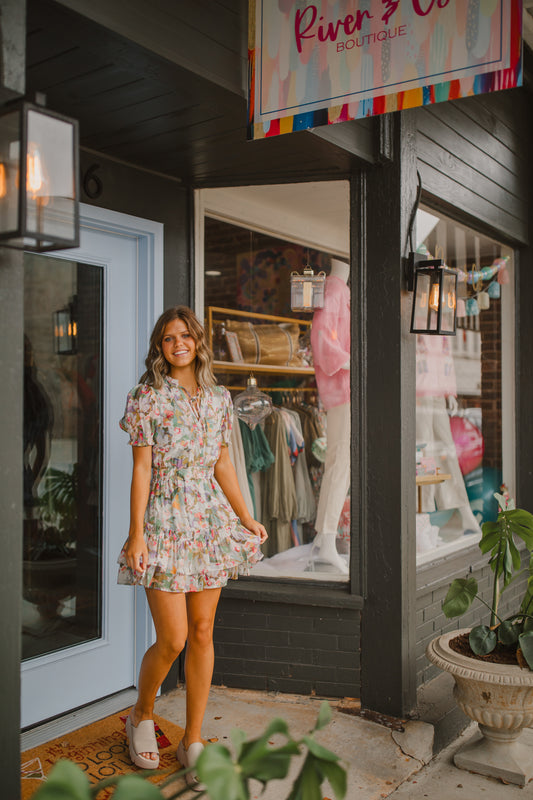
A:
(287, 647)
(431, 622)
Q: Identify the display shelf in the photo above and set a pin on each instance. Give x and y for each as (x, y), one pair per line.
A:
(272, 369)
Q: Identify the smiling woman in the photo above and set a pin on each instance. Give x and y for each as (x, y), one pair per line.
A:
(190, 530)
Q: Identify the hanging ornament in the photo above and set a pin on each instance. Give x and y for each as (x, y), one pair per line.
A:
(483, 301)
(472, 308)
(503, 275)
(494, 290)
(252, 405)
(461, 308)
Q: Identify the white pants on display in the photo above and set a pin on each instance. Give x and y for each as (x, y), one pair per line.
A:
(433, 429)
(334, 487)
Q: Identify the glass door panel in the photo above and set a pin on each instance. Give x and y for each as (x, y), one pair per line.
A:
(63, 367)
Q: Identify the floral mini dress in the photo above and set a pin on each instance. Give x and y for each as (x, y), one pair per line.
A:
(195, 540)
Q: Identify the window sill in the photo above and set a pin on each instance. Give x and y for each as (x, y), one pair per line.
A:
(294, 592)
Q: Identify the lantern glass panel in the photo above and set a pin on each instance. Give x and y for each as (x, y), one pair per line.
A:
(50, 185)
(448, 303)
(425, 309)
(9, 172)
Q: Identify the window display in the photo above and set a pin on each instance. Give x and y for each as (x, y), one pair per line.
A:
(463, 454)
(300, 361)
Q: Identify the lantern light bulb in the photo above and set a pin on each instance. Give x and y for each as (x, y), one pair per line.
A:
(3, 181)
(34, 176)
(434, 297)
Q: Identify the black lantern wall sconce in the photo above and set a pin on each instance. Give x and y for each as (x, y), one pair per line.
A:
(434, 287)
(66, 329)
(39, 183)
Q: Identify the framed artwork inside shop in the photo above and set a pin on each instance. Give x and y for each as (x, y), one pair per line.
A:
(465, 441)
(293, 465)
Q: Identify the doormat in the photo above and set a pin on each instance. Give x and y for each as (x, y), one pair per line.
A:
(101, 750)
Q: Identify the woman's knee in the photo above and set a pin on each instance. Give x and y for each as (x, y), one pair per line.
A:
(201, 633)
(171, 646)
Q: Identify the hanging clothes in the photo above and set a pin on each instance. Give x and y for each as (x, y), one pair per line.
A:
(304, 490)
(280, 503)
(236, 454)
(258, 457)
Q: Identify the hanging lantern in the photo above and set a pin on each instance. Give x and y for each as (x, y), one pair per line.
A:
(461, 308)
(252, 405)
(494, 290)
(472, 308)
(66, 330)
(39, 196)
(434, 298)
(483, 301)
(307, 290)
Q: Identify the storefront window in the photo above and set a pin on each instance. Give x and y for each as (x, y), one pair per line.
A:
(464, 392)
(294, 465)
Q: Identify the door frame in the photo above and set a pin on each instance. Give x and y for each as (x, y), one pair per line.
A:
(149, 236)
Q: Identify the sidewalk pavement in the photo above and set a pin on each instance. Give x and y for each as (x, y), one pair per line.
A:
(382, 762)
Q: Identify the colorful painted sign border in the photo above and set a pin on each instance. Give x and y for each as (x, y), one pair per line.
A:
(311, 28)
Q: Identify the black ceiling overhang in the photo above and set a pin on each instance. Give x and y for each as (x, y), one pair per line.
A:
(136, 106)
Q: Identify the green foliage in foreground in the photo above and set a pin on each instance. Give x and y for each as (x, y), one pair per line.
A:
(226, 777)
(498, 539)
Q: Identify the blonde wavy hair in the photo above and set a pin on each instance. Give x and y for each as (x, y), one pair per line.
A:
(156, 364)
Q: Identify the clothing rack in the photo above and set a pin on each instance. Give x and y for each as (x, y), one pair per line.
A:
(275, 389)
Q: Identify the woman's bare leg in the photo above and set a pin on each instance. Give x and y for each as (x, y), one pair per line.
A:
(169, 614)
(199, 659)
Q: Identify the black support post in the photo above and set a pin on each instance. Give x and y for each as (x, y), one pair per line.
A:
(387, 483)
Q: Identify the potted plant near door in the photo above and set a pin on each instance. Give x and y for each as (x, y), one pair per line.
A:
(50, 543)
(493, 664)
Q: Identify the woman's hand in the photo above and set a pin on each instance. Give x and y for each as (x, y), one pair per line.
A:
(256, 528)
(136, 553)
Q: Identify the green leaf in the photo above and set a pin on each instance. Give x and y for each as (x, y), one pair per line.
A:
(507, 632)
(517, 560)
(319, 751)
(488, 542)
(324, 716)
(238, 737)
(307, 784)
(273, 764)
(460, 595)
(507, 564)
(482, 640)
(133, 787)
(526, 645)
(66, 781)
(222, 777)
(521, 524)
(336, 775)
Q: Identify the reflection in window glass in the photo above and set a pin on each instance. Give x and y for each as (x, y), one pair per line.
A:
(294, 466)
(463, 455)
(62, 454)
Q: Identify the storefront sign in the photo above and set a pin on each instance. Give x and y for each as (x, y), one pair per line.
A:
(329, 61)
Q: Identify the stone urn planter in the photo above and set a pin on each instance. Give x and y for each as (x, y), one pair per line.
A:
(500, 699)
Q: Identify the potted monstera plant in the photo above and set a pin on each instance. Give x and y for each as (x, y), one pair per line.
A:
(493, 664)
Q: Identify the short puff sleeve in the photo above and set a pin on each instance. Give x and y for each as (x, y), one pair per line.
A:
(140, 416)
(227, 418)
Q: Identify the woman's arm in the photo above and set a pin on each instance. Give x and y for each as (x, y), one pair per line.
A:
(227, 479)
(135, 549)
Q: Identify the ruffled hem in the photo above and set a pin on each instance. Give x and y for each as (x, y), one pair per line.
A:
(177, 563)
(185, 583)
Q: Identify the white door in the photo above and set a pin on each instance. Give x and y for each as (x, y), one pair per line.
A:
(88, 314)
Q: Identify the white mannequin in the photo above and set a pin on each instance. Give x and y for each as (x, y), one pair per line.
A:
(336, 478)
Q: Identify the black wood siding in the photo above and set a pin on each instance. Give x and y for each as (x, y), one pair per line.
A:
(473, 156)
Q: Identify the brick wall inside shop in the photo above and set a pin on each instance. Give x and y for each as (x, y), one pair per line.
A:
(430, 619)
(491, 385)
(287, 647)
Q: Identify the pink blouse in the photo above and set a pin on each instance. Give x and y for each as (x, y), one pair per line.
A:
(330, 340)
